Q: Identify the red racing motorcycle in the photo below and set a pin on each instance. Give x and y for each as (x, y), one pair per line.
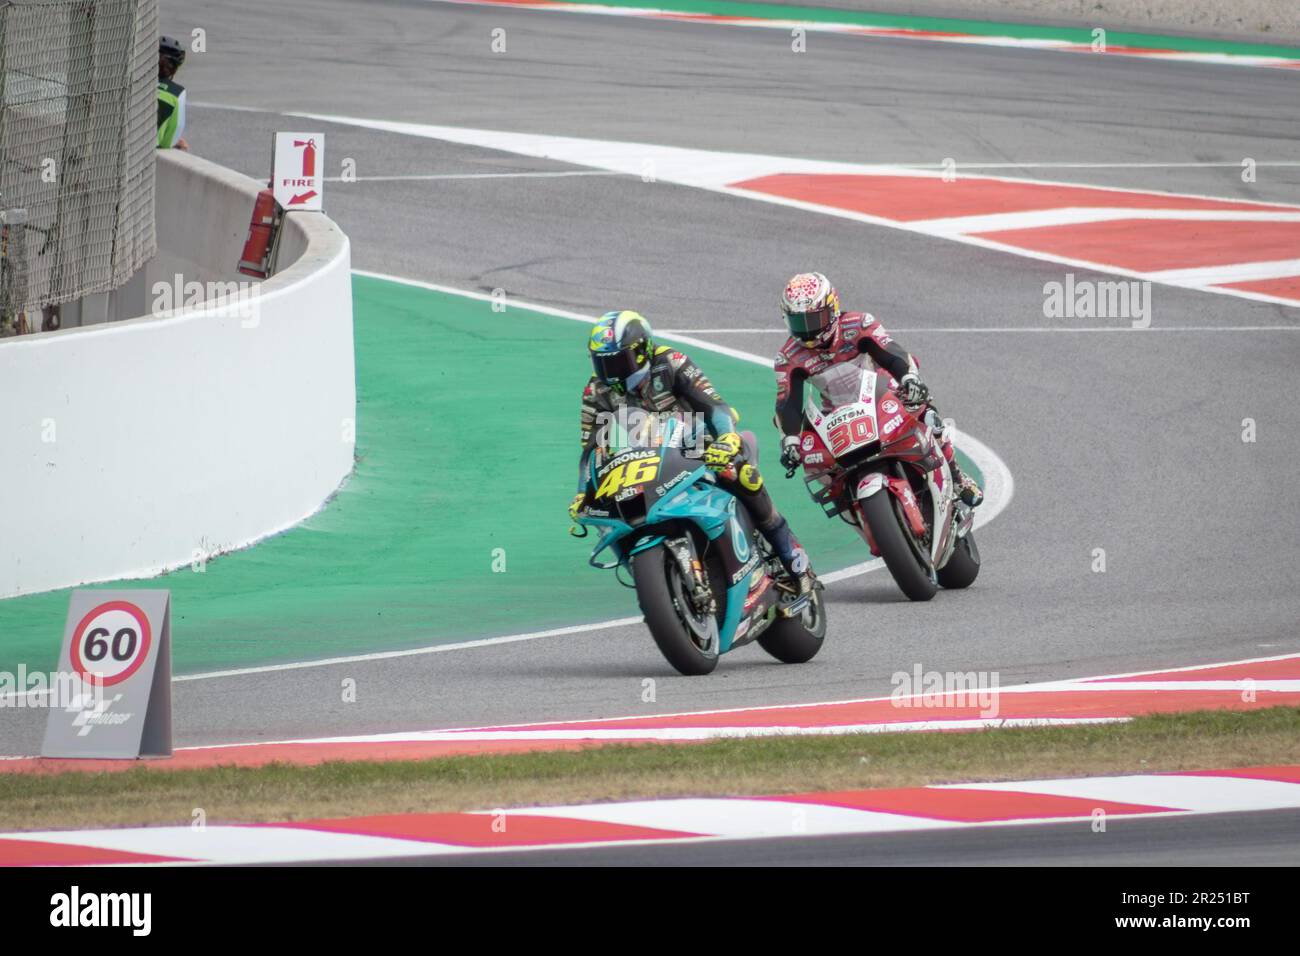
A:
(875, 463)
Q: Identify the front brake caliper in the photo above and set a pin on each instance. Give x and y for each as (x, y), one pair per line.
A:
(693, 571)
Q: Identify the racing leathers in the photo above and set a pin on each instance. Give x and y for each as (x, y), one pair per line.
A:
(856, 337)
(675, 384)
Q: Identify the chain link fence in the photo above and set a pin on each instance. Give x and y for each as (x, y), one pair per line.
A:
(78, 84)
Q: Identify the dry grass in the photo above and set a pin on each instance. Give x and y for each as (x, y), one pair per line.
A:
(1204, 740)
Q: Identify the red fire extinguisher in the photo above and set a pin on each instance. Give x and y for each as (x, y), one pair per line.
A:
(259, 247)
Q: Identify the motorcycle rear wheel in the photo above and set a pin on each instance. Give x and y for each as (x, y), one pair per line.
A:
(912, 576)
(664, 606)
(964, 566)
(796, 640)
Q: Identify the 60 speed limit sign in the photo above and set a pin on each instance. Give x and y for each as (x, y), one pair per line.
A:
(110, 643)
(116, 661)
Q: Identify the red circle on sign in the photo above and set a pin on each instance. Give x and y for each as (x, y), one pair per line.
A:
(142, 652)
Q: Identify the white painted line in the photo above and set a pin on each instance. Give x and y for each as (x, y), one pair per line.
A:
(539, 174)
(35, 697)
(415, 651)
(765, 330)
(1186, 668)
(1278, 686)
(1077, 215)
(1152, 328)
(241, 844)
(1203, 794)
(1244, 272)
(694, 733)
(741, 818)
(1012, 329)
(929, 166)
(1227, 59)
(1232, 164)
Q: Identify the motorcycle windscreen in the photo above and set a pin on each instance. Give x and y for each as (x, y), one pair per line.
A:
(841, 383)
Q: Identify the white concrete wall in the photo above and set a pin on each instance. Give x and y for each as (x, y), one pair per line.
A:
(129, 447)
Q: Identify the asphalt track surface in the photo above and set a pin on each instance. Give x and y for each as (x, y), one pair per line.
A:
(1266, 838)
(1127, 442)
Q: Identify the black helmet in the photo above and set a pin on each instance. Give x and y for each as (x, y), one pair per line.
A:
(170, 48)
(621, 347)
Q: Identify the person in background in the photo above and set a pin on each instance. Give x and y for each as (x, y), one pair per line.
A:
(171, 95)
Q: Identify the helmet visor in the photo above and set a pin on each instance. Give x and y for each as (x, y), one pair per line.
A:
(614, 366)
(809, 325)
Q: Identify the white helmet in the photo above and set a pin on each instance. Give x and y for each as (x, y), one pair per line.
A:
(811, 307)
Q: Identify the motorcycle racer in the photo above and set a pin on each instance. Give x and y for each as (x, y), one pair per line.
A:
(821, 337)
(631, 372)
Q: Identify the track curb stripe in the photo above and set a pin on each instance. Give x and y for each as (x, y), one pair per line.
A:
(1238, 686)
(671, 820)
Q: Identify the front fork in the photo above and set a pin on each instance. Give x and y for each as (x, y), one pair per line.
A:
(692, 570)
(878, 482)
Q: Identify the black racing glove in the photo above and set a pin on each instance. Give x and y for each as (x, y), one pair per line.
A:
(912, 390)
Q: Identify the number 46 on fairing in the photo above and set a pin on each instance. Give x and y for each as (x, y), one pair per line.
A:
(628, 476)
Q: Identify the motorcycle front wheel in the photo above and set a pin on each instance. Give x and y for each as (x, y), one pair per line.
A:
(685, 638)
(897, 547)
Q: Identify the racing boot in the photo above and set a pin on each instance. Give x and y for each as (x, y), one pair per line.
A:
(794, 559)
(970, 492)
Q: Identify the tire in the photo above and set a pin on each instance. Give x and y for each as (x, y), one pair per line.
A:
(896, 547)
(651, 570)
(796, 640)
(964, 566)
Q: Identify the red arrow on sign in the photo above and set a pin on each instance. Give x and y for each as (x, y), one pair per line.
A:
(302, 197)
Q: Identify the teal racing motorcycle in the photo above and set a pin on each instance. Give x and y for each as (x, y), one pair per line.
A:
(705, 579)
